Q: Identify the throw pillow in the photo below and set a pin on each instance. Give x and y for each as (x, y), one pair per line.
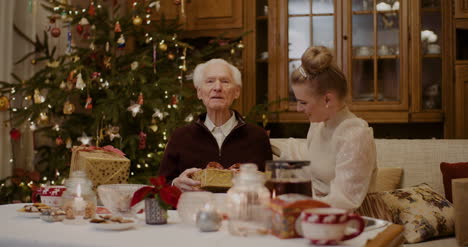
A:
(424, 213)
(388, 178)
(451, 171)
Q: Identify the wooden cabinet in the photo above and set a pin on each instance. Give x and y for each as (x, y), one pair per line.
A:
(395, 54)
(196, 15)
(461, 8)
(461, 99)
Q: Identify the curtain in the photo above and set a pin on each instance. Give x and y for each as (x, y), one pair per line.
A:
(6, 66)
(32, 20)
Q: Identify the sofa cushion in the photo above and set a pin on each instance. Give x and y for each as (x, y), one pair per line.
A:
(424, 213)
(388, 178)
(451, 171)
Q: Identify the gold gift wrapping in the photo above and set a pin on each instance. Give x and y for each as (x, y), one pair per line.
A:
(212, 179)
(101, 167)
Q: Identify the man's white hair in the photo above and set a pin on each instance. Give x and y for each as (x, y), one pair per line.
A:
(199, 72)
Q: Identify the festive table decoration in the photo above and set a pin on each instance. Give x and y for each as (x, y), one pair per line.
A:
(158, 199)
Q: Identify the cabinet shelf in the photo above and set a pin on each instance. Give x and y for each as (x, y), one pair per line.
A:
(431, 56)
(372, 57)
(369, 12)
(430, 9)
(262, 18)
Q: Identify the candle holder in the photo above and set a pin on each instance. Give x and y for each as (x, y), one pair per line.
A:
(79, 200)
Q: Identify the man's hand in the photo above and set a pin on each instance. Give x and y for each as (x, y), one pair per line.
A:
(185, 183)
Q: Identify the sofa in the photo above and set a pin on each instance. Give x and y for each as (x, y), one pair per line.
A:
(420, 161)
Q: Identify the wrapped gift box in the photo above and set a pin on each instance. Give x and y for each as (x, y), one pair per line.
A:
(286, 210)
(102, 166)
(213, 179)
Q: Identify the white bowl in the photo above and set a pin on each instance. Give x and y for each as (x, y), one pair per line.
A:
(117, 198)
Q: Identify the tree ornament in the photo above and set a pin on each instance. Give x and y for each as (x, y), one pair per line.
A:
(153, 125)
(38, 98)
(177, 2)
(59, 141)
(15, 134)
(117, 27)
(33, 61)
(4, 103)
(95, 75)
(79, 29)
(79, 82)
(43, 119)
(55, 32)
(174, 100)
(89, 103)
(134, 65)
(84, 139)
(83, 21)
(63, 85)
(53, 64)
(171, 56)
(158, 114)
(233, 51)
(162, 46)
(189, 118)
(140, 99)
(107, 62)
(142, 142)
(68, 143)
(68, 108)
(121, 42)
(107, 46)
(92, 47)
(135, 109)
(240, 45)
(137, 20)
(91, 9)
(113, 132)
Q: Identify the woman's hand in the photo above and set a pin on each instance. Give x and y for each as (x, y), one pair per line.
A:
(184, 181)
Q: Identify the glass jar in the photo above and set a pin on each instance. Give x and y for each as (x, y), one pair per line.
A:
(248, 201)
(288, 176)
(79, 200)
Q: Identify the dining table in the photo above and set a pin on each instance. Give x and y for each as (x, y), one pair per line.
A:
(16, 230)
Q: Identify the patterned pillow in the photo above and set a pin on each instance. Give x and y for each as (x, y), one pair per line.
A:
(424, 213)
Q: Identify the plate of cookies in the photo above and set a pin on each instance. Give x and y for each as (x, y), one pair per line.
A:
(110, 223)
(32, 210)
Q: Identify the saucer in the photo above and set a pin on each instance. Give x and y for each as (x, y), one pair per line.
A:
(114, 226)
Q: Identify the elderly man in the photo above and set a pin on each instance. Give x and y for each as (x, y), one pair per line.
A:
(219, 135)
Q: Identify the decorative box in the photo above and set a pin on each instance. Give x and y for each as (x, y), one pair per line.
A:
(213, 179)
(285, 212)
(102, 165)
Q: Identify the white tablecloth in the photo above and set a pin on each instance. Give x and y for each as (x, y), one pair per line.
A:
(16, 231)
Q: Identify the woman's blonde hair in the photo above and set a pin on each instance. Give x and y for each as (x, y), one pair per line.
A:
(319, 73)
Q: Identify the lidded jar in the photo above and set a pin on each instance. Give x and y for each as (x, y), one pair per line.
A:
(248, 201)
(79, 200)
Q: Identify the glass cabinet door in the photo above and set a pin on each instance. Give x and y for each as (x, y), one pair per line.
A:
(375, 51)
(431, 59)
(310, 23)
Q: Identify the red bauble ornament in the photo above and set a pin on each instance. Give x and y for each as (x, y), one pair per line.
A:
(174, 100)
(59, 141)
(89, 103)
(15, 134)
(91, 9)
(79, 29)
(55, 32)
(117, 27)
(140, 99)
(142, 143)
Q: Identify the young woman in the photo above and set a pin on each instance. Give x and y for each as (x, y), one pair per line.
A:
(340, 146)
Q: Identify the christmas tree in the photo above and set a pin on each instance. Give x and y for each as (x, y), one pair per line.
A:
(126, 84)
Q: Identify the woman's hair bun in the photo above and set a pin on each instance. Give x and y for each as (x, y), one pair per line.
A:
(316, 59)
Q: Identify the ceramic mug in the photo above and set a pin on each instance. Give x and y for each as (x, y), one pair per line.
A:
(325, 226)
(49, 195)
